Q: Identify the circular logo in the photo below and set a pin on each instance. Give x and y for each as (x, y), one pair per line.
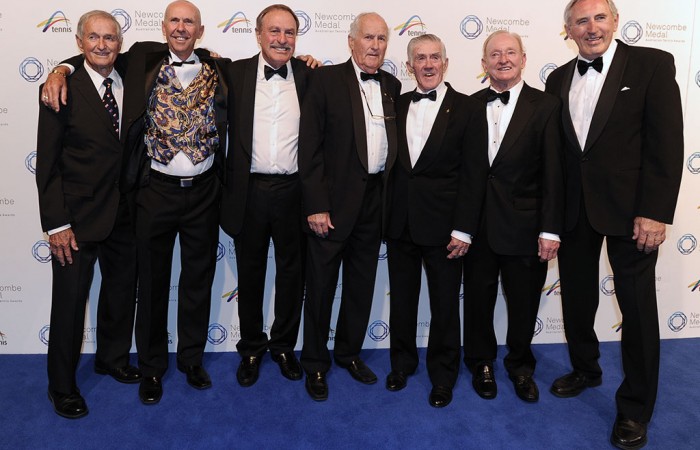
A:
(42, 251)
(31, 69)
(693, 164)
(390, 67)
(44, 334)
(607, 285)
(697, 78)
(30, 162)
(538, 326)
(123, 18)
(677, 321)
(304, 22)
(382, 251)
(545, 71)
(378, 330)
(632, 32)
(471, 27)
(217, 334)
(687, 244)
(220, 251)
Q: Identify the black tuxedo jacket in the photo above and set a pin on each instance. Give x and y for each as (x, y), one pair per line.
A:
(241, 106)
(525, 187)
(79, 160)
(632, 163)
(444, 190)
(143, 62)
(333, 144)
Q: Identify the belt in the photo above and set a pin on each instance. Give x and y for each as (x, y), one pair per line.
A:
(273, 176)
(182, 181)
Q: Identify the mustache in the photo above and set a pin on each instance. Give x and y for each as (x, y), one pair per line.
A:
(281, 47)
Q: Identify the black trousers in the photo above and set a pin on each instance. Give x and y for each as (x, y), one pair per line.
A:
(522, 277)
(359, 255)
(165, 210)
(273, 210)
(115, 312)
(405, 259)
(635, 289)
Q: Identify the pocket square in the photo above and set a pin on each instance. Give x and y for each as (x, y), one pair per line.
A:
(624, 89)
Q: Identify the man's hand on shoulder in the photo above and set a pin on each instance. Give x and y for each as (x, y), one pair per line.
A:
(55, 90)
(310, 61)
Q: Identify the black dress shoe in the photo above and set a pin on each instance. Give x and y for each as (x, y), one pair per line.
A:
(572, 384)
(316, 386)
(359, 371)
(396, 380)
(197, 377)
(70, 406)
(525, 388)
(248, 370)
(484, 382)
(150, 390)
(289, 365)
(127, 374)
(440, 396)
(628, 434)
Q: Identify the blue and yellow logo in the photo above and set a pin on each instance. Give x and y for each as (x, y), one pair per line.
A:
(413, 21)
(552, 288)
(232, 295)
(56, 18)
(236, 19)
(694, 286)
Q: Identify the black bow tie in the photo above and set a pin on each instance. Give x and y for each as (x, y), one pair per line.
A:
(417, 96)
(270, 72)
(492, 95)
(364, 76)
(583, 66)
(180, 63)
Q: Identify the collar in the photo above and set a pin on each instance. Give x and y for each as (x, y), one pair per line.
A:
(193, 56)
(607, 57)
(260, 75)
(98, 79)
(358, 70)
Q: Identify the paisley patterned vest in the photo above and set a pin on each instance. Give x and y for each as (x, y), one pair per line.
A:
(182, 120)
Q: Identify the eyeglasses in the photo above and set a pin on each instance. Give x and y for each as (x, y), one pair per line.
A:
(371, 114)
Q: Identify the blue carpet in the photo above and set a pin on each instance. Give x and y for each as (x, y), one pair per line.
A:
(277, 413)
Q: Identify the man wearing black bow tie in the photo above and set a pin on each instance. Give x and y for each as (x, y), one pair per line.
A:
(521, 218)
(347, 145)
(262, 195)
(433, 199)
(623, 125)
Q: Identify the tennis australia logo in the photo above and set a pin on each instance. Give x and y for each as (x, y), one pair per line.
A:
(617, 327)
(694, 286)
(57, 23)
(123, 18)
(217, 334)
(607, 285)
(304, 22)
(693, 163)
(545, 71)
(632, 32)
(378, 330)
(410, 27)
(687, 244)
(471, 27)
(31, 69)
(677, 321)
(552, 289)
(44, 334)
(231, 295)
(238, 23)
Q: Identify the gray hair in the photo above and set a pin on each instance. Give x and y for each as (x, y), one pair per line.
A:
(516, 36)
(425, 38)
(85, 18)
(355, 25)
(572, 3)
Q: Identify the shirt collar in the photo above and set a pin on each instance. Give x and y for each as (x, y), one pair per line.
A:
(192, 57)
(607, 57)
(261, 68)
(98, 79)
(358, 70)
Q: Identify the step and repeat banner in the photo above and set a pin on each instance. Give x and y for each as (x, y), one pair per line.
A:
(37, 35)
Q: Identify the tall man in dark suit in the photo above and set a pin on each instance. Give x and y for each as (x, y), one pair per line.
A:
(262, 195)
(85, 213)
(624, 149)
(433, 198)
(521, 217)
(175, 130)
(347, 145)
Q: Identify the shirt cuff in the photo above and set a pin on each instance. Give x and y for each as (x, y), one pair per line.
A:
(464, 237)
(58, 230)
(550, 236)
(70, 67)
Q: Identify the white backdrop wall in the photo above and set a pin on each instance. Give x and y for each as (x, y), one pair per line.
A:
(38, 34)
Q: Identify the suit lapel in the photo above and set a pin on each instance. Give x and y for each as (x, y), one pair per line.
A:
(299, 78)
(358, 113)
(568, 125)
(402, 107)
(524, 110)
(433, 144)
(248, 104)
(154, 61)
(85, 88)
(608, 94)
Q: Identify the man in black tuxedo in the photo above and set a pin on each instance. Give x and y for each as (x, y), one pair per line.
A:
(521, 218)
(84, 211)
(623, 125)
(347, 145)
(433, 198)
(175, 164)
(262, 195)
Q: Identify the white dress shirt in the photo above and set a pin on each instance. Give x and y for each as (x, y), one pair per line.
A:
(276, 124)
(377, 144)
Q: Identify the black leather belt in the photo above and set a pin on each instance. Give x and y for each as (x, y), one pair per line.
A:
(182, 181)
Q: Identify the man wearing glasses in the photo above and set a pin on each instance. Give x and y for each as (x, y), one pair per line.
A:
(347, 145)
